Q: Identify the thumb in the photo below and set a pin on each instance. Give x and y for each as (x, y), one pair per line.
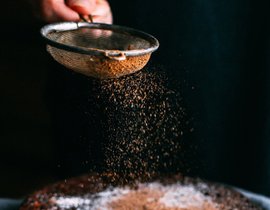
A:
(83, 7)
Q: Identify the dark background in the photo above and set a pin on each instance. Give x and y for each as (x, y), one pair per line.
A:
(221, 53)
(222, 49)
(26, 156)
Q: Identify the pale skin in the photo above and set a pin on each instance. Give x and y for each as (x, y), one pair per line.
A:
(70, 10)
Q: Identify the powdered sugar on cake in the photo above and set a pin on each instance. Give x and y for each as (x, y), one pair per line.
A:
(146, 196)
(95, 201)
(183, 197)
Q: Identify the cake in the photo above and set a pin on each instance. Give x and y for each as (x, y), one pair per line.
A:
(99, 192)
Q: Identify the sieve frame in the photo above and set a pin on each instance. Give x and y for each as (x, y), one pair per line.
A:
(67, 26)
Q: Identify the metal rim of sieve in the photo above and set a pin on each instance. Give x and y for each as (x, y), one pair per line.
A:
(117, 54)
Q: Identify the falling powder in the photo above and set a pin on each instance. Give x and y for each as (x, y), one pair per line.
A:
(144, 123)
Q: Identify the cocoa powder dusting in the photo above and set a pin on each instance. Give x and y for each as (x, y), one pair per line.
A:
(144, 125)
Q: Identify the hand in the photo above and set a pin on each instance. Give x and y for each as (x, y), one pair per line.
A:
(69, 10)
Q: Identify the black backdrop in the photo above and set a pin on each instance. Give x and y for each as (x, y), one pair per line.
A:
(218, 51)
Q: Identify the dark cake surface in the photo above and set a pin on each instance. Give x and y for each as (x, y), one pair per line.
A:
(98, 192)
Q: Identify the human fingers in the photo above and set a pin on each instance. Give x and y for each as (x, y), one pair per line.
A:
(102, 12)
(99, 10)
(57, 10)
(83, 7)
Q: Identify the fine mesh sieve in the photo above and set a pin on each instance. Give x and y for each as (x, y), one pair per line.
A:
(99, 50)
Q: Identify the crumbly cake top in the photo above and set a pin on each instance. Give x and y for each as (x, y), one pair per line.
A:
(171, 193)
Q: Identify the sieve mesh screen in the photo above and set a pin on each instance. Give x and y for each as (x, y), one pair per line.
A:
(100, 39)
(99, 50)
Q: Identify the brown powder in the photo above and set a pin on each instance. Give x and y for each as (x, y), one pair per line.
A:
(98, 66)
(144, 125)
